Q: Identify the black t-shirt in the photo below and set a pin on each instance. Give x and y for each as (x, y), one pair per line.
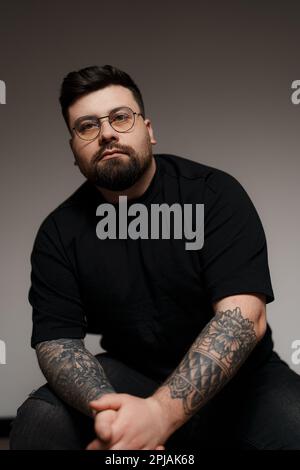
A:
(148, 298)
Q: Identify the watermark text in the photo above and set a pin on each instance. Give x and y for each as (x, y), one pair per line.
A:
(2, 92)
(295, 358)
(162, 222)
(2, 352)
(295, 96)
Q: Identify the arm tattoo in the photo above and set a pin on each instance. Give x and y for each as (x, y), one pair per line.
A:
(214, 357)
(73, 372)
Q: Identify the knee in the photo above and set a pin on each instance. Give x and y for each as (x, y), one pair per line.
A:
(35, 425)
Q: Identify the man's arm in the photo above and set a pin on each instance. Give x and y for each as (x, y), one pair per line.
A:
(73, 372)
(214, 357)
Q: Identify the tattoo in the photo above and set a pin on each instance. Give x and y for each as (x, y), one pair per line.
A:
(73, 372)
(214, 357)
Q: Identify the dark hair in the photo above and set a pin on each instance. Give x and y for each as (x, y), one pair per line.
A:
(84, 81)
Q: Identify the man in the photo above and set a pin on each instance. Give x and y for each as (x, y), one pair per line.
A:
(189, 358)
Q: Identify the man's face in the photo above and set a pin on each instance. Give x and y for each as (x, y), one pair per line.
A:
(116, 173)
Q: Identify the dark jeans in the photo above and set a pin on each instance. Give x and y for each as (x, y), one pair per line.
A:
(261, 411)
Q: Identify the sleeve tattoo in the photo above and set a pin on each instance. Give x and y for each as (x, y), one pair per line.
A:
(73, 372)
(212, 360)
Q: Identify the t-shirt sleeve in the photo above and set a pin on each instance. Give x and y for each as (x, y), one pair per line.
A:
(57, 310)
(234, 255)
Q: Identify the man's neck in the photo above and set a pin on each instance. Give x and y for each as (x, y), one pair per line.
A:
(134, 191)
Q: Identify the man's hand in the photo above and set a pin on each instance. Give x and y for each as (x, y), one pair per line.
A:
(127, 422)
(103, 429)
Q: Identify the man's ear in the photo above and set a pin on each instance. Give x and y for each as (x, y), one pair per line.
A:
(71, 145)
(150, 130)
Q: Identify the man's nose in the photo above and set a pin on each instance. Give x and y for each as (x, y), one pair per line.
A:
(107, 132)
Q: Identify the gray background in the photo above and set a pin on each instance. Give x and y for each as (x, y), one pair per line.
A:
(216, 80)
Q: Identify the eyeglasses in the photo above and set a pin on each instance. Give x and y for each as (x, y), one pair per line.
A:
(121, 120)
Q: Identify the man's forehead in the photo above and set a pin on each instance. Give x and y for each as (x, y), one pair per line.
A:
(101, 102)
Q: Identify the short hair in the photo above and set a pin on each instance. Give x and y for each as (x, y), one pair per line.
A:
(88, 79)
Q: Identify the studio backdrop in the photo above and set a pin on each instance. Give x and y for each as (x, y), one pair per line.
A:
(220, 83)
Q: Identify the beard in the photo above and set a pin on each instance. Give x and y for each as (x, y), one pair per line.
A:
(118, 173)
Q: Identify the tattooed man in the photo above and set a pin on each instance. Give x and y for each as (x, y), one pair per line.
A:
(187, 354)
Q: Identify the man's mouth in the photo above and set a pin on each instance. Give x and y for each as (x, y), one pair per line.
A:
(107, 156)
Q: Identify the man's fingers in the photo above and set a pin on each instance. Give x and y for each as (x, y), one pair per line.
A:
(110, 400)
(103, 430)
(103, 424)
(96, 445)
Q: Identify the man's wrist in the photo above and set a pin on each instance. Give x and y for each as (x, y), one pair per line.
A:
(93, 411)
(171, 416)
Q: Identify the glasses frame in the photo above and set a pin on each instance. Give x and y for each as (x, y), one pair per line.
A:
(110, 122)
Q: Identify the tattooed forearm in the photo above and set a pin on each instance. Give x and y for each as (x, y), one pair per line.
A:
(212, 360)
(73, 372)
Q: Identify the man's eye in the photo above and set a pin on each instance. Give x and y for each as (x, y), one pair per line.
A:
(85, 126)
(120, 117)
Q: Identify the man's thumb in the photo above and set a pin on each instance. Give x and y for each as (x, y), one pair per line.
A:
(109, 401)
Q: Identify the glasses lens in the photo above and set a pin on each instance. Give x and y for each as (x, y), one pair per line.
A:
(88, 129)
(122, 120)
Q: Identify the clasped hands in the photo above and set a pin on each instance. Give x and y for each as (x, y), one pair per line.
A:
(127, 422)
